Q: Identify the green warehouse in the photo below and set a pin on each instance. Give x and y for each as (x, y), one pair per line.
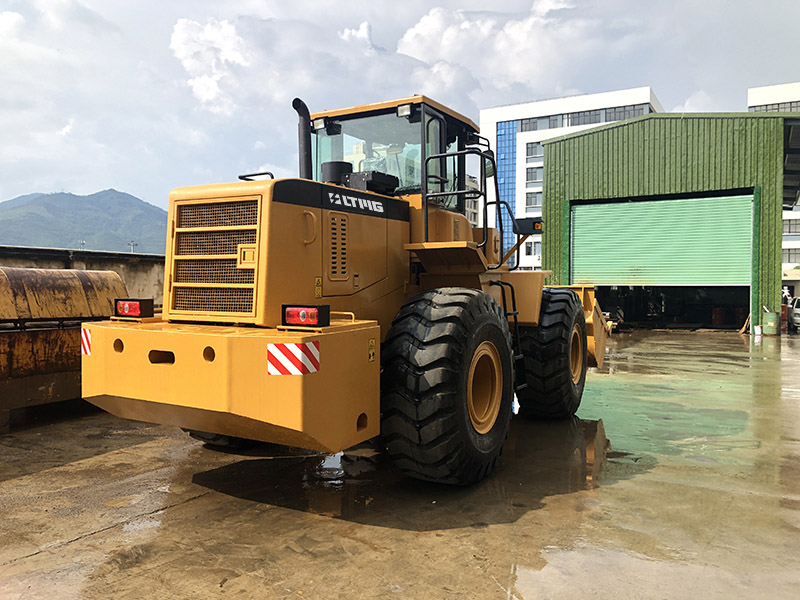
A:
(676, 218)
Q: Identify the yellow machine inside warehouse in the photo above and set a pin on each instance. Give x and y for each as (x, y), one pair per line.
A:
(354, 301)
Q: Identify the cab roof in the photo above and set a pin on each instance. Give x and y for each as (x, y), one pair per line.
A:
(415, 99)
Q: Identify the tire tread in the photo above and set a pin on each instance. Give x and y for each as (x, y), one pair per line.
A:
(421, 359)
(550, 392)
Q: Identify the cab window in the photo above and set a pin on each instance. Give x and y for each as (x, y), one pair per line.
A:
(378, 142)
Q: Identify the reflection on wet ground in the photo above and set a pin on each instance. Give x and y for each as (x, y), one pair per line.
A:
(679, 478)
(540, 459)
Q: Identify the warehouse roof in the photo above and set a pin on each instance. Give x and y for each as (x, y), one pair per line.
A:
(791, 141)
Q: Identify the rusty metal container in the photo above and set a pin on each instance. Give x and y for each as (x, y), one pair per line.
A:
(40, 315)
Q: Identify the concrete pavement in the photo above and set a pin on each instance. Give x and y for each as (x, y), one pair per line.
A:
(698, 496)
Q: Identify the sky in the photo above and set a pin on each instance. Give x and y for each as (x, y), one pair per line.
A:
(150, 95)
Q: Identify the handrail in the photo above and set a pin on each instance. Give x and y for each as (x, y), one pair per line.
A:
(484, 155)
(478, 193)
(500, 228)
(249, 176)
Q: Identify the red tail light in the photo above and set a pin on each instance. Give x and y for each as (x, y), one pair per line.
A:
(133, 307)
(309, 316)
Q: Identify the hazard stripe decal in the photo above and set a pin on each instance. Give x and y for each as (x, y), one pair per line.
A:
(311, 354)
(293, 359)
(86, 342)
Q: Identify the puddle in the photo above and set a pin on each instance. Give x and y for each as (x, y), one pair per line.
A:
(540, 459)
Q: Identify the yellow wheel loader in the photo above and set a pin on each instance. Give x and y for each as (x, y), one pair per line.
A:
(354, 301)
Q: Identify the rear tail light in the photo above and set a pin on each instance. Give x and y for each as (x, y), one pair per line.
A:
(309, 316)
(133, 307)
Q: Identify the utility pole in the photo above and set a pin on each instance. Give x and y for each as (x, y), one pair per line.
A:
(133, 245)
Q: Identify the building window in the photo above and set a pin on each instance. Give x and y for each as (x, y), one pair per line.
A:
(533, 201)
(471, 206)
(791, 255)
(528, 248)
(587, 117)
(778, 107)
(555, 122)
(534, 150)
(619, 113)
(534, 176)
(537, 248)
(791, 226)
(507, 175)
(529, 124)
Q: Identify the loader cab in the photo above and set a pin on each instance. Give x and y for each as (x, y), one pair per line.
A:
(389, 146)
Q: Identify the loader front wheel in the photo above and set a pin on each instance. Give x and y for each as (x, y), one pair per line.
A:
(446, 387)
(555, 355)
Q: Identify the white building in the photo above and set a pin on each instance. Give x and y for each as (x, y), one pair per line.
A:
(517, 132)
(791, 250)
(785, 98)
(774, 98)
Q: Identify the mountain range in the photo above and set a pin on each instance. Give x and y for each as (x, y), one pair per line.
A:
(108, 220)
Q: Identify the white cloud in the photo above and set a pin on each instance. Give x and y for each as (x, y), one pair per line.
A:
(698, 101)
(536, 53)
(362, 35)
(543, 7)
(279, 171)
(10, 23)
(71, 15)
(67, 128)
(150, 95)
(449, 83)
(209, 53)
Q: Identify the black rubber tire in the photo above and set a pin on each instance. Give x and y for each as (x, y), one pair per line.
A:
(552, 392)
(219, 441)
(425, 422)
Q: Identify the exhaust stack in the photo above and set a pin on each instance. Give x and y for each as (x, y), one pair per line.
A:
(303, 138)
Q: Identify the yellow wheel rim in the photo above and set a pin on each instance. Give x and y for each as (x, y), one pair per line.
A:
(576, 354)
(484, 387)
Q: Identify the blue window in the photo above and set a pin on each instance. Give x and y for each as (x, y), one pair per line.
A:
(507, 177)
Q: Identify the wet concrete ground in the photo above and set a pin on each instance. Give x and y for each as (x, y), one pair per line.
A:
(699, 496)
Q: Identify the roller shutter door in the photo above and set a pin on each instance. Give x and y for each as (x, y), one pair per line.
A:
(695, 241)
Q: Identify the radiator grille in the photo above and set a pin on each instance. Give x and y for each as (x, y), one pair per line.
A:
(202, 285)
(220, 300)
(338, 232)
(212, 271)
(190, 243)
(228, 214)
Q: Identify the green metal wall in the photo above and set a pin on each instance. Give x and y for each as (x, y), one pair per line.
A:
(672, 154)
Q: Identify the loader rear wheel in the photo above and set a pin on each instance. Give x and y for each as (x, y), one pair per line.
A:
(447, 386)
(555, 356)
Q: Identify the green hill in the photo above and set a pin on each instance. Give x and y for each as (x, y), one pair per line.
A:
(107, 220)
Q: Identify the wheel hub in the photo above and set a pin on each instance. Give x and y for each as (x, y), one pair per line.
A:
(484, 387)
(576, 354)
